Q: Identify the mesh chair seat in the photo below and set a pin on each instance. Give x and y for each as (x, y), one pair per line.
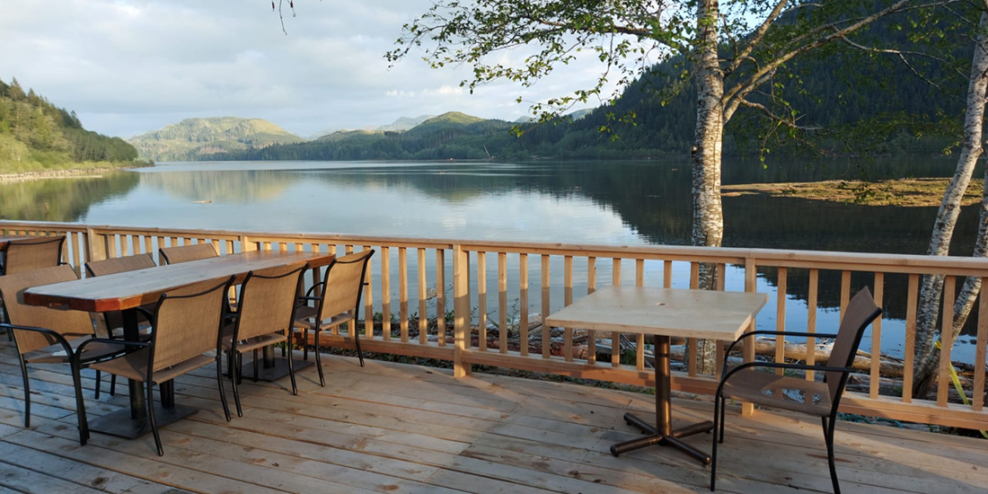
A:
(759, 388)
(135, 366)
(305, 315)
(250, 343)
(55, 354)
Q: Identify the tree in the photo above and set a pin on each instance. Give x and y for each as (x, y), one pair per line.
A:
(730, 54)
(931, 290)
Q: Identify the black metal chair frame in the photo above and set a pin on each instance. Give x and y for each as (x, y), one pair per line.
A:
(235, 358)
(319, 303)
(828, 421)
(76, 363)
(150, 344)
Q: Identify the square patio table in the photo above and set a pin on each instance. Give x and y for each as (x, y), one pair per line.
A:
(129, 290)
(663, 313)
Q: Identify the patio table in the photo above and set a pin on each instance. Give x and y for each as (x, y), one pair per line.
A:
(129, 290)
(663, 313)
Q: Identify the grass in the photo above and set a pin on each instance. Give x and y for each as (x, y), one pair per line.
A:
(906, 192)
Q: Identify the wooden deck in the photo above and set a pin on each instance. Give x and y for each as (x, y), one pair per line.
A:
(399, 428)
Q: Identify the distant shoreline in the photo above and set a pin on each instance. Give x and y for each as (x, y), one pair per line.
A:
(12, 178)
(905, 192)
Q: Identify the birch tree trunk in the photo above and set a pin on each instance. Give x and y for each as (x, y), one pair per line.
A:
(708, 215)
(943, 229)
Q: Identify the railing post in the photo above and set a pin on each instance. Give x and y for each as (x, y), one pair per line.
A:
(750, 285)
(95, 245)
(461, 311)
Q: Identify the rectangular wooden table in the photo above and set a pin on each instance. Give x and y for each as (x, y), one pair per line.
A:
(663, 313)
(129, 290)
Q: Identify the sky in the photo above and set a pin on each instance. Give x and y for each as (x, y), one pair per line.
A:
(129, 67)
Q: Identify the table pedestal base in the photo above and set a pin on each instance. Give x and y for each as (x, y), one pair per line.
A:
(121, 424)
(672, 439)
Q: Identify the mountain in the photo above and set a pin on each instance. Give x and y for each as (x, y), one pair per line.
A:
(197, 139)
(36, 135)
(452, 135)
(403, 123)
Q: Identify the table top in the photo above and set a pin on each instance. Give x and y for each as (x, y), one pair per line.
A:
(144, 286)
(662, 311)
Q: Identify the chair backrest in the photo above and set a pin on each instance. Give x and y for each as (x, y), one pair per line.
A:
(116, 265)
(70, 323)
(187, 322)
(186, 253)
(860, 312)
(32, 253)
(344, 284)
(267, 301)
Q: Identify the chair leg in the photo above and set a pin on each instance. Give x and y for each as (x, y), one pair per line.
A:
(234, 377)
(718, 420)
(305, 343)
(828, 431)
(291, 373)
(219, 384)
(255, 365)
(322, 380)
(356, 341)
(113, 384)
(27, 393)
(152, 420)
(80, 405)
(99, 384)
(723, 406)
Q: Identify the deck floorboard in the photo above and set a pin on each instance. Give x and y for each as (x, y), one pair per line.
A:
(400, 428)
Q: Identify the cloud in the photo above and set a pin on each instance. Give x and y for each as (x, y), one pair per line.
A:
(128, 67)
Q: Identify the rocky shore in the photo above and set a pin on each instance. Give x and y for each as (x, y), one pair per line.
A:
(10, 178)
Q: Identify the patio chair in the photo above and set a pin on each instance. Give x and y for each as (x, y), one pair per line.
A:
(51, 336)
(196, 252)
(32, 253)
(820, 399)
(186, 253)
(114, 319)
(27, 254)
(342, 288)
(185, 325)
(267, 308)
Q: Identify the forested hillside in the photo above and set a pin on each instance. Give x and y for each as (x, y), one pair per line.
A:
(36, 135)
(210, 138)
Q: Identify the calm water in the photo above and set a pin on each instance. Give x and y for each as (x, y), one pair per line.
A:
(621, 203)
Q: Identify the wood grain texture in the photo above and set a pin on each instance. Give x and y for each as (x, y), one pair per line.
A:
(683, 313)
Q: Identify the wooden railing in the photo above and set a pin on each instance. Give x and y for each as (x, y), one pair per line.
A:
(400, 281)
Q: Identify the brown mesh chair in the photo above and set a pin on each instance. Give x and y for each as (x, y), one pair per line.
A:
(32, 253)
(27, 254)
(820, 399)
(342, 288)
(185, 325)
(51, 336)
(267, 309)
(114, 319)
(195, 252)
(186, 253)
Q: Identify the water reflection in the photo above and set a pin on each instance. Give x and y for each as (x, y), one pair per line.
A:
(63, 200)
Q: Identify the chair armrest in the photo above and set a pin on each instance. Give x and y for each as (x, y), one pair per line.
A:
(775, 333)
(54, 334)
(313, 287)
(776, 365)
(135, 344)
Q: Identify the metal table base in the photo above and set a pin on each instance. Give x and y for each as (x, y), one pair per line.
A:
(661, 433)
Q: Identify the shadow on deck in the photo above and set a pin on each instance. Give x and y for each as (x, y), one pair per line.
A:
(395, 428)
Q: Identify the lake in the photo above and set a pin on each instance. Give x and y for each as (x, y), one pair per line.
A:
(619, 203)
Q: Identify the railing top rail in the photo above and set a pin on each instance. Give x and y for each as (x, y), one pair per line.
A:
(851, 261)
